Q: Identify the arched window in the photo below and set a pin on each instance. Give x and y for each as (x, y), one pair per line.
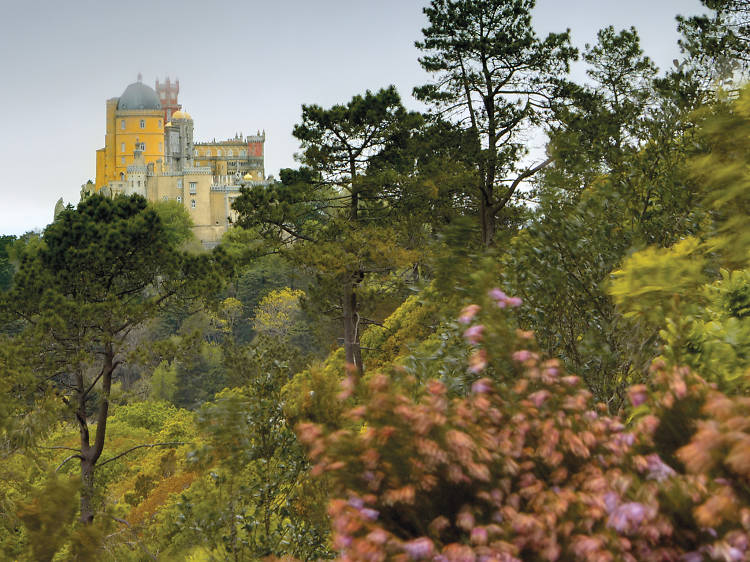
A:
(179, 198)
(230, 153)
(165, 198)
(208, 152)
(192, 203)
(143, 123)
(122, 176)
(243, 153)
(218, 152)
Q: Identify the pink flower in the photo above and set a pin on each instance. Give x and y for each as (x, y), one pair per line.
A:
(481, 386)
(474, 334)
(538, 398)
(378, 536)
(637, 394)
(514, 302)
(479, 535)
(478, 361)
(468, 313)
(522, 355)
(419, 548)
(502, 300)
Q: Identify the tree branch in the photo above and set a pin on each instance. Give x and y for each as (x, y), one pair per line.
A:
(146, 446)
(71, 457)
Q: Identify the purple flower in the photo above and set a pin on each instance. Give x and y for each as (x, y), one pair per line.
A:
(514, 302)
(474, 334)
(627, 516)
(419, 548)
(370, 514)
(498, 295)
(356, 502)
(610, 501)
(657, 469)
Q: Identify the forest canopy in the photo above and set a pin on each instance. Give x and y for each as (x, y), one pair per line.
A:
(427, 341)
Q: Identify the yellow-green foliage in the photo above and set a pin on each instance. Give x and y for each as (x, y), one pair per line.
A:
(276, 313)
(648, 280)
(715, 339)
(412, 322)
(312, 395)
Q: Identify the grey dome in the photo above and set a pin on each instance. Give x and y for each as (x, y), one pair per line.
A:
(139, 96)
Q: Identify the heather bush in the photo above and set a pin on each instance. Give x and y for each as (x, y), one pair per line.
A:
(527, 467)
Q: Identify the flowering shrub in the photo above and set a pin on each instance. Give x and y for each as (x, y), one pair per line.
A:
(528, 467)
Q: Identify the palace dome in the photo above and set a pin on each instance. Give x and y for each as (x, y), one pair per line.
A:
(179, 114)
(139, 96)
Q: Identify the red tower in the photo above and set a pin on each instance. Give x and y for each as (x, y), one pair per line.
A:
(168, 97)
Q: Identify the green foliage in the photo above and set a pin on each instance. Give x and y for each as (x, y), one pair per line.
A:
(164, 382)
(255, 498)
(176, 220)
(6, 268)
(496, 78)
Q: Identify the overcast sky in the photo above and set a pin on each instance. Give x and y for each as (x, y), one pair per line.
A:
(243, 65)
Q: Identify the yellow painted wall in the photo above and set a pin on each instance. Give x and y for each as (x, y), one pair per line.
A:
(152, 134)
(119, 142)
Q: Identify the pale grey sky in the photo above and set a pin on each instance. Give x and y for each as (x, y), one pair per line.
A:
(243, 65)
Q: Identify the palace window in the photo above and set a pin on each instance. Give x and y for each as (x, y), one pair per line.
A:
(122, 147)
(160, 123)
(122, 160)
(192, 203)
(243, 153)
(179, 183)
(143, 123)
(179, 198)
(208, 153)
(165, 198)
(230, 153)
(218, 152)
(193, 186)
(122, 124)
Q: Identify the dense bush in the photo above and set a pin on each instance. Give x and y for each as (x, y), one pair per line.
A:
(528, 467)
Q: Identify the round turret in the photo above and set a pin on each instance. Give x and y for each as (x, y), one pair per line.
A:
(139, 96)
